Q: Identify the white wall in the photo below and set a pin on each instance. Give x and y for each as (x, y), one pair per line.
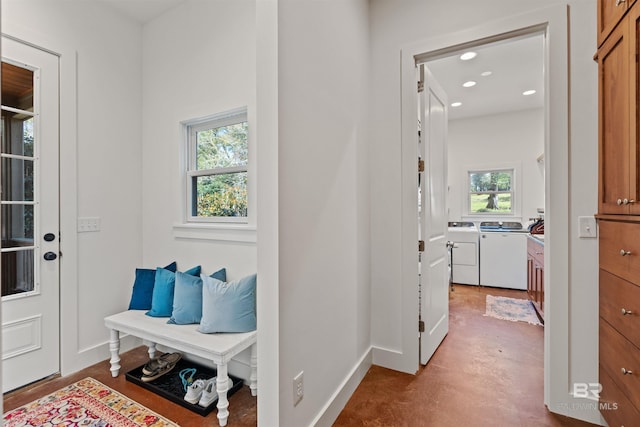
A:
(515, 138)
(323, 204)
(399, 24)
(198, 60)
(100, 177)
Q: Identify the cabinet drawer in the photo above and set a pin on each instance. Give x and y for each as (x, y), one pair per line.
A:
(536, 250)
(618, 355)
(615, 407)
(620, 249)
(617, 295)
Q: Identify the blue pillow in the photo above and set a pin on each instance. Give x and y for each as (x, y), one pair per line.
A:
(187, 298)
(143, 287)
(228, 306)
(163, 290)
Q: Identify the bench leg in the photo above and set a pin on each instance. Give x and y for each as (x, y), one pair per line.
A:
(152, 350)
(114, 348)
(254, 370)
(222, 385)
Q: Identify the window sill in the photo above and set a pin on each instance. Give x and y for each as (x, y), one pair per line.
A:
(241, 233)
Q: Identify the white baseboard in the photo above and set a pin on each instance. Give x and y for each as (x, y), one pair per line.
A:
(88, 356)
(339, 399)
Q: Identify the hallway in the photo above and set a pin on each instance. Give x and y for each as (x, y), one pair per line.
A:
(487, 372)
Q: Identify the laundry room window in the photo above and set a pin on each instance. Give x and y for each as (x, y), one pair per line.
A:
(491, 192)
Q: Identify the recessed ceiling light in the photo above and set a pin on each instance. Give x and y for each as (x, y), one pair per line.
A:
(486, 73)
(470, 83)
(456, 104)
(468, 55)
(528, 92)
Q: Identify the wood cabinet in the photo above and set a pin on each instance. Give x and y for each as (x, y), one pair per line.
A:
(619, 210)
(535, 274)
(609, 14)
(619, 190)
(619, 309)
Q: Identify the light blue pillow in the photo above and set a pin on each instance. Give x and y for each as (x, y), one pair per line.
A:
(228, 306)
(187, 298)
(163, 291)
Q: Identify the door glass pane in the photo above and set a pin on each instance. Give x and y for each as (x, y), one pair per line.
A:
(17, 272)
(17, 134)
(17, 87)
(17, 180)
(17, 225)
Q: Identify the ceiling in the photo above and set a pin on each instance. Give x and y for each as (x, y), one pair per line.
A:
(516, 65)
(142, 11)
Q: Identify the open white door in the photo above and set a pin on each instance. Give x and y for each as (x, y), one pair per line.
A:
(433, 267)
(30, 215)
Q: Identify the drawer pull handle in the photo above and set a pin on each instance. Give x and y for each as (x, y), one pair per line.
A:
(619, 2)
(625, 312)
(626, 371)
(624, 253)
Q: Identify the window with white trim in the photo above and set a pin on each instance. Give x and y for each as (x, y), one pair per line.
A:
(217, 169)
(491, 192)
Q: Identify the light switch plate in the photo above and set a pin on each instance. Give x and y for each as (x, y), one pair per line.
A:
(587, 227)
(87, 224)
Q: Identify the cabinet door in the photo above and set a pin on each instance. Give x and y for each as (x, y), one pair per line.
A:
(634, 105)
(609, 14)
(539, 285)
(614, 122)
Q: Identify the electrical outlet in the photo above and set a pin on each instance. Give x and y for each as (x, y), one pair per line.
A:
(298, 388)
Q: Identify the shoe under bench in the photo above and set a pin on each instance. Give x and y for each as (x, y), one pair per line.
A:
(218, 348)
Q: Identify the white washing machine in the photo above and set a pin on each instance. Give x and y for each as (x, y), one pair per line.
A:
(465, 253)
(503, 260)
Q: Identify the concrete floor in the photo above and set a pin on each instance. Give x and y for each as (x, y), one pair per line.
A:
(487, 372)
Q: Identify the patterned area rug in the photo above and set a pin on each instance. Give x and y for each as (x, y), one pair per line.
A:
(515, 310)
(85, 403)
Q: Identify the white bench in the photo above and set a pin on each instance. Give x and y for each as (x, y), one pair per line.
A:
(219, 348)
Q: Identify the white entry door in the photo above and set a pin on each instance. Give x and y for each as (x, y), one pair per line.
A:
(433, 268)
(30, 215)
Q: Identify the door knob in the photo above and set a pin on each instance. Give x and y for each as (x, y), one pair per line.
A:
(49, 237)
(50, 256)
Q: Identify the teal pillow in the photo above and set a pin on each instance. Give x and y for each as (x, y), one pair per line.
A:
(163, 291)
(228, 306)
(143, 287)
(187, 298)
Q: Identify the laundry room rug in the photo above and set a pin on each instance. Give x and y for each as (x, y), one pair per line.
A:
(515, 310)
(85, 403)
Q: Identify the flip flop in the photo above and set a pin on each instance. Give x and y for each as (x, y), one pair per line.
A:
(158, 373)
(157, 362)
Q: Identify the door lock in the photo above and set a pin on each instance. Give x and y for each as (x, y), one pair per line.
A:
(50, 256)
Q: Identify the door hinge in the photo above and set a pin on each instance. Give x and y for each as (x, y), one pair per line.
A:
(420, 165)
(420, 86)
(420, 325)
(420, 245)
